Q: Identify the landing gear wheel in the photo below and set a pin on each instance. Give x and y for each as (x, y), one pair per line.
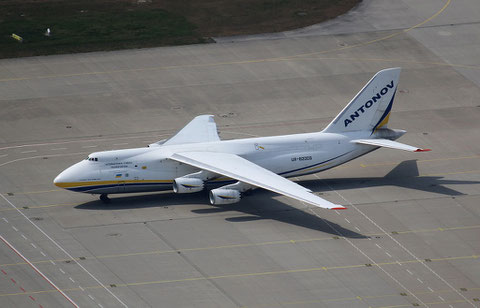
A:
(105, 198)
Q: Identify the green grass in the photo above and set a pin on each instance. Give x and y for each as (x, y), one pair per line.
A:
(93, 30)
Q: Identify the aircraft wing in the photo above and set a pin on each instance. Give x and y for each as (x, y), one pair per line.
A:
(390, 144)
(236, 167)
(201, 129)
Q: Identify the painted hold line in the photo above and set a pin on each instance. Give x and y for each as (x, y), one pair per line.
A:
(38, 272)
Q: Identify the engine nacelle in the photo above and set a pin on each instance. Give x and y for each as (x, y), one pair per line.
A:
(224, 196)
(187, 185)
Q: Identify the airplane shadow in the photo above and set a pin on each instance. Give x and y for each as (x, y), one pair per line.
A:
(262, 206)
(404, 175)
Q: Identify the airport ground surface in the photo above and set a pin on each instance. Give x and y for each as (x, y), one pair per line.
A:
(409, 238)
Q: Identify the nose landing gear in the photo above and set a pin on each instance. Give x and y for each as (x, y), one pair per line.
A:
(104, 198)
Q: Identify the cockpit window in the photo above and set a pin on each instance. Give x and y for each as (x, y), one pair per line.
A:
(92, 158)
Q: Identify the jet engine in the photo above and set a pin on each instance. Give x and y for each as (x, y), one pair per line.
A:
(185, 185)
(224, 196)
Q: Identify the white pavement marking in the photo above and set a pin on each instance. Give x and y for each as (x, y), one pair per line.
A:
(399, 244)
(62, 271)
(347, 220)
(379, 247)
(43, 254)
(4, 155)
(64, 251)
(357, 229)
(441, 298)
(430, 289)
(24, 237)
(77, 141)
(38, 271)
(5, 219)
(33, 245)
(83, 290)
(51, 261)
(388, 254)
(409, 272)
(361, 251)
(31, 151)
(13, 227)
(71, 279)
(419, 280)
(91, 297)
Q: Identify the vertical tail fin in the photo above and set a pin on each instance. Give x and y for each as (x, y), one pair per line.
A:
(370, 108)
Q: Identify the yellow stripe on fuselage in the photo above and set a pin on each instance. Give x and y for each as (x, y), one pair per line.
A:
(95, 183)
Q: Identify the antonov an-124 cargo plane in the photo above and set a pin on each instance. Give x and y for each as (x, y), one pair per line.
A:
(196, 156)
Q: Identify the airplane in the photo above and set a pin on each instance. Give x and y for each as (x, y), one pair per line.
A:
(195, 156)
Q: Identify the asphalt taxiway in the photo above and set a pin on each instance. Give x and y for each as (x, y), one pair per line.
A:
(411, 235)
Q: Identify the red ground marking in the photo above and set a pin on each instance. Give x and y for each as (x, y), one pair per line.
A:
(37, 271)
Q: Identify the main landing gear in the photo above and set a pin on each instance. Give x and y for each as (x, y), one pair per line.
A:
(105, 198)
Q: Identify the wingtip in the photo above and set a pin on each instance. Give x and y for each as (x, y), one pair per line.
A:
(423, 150)
(339, 208)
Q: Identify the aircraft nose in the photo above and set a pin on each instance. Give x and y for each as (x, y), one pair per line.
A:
(60, 179)
(68, 175)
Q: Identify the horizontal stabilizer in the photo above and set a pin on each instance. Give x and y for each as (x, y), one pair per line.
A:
(389, 144)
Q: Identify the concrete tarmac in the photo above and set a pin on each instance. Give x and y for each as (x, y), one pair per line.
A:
(409, 238)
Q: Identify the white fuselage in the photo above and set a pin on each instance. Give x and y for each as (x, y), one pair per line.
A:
(149, 169)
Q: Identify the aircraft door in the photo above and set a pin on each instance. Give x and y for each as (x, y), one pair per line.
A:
(119, 180)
